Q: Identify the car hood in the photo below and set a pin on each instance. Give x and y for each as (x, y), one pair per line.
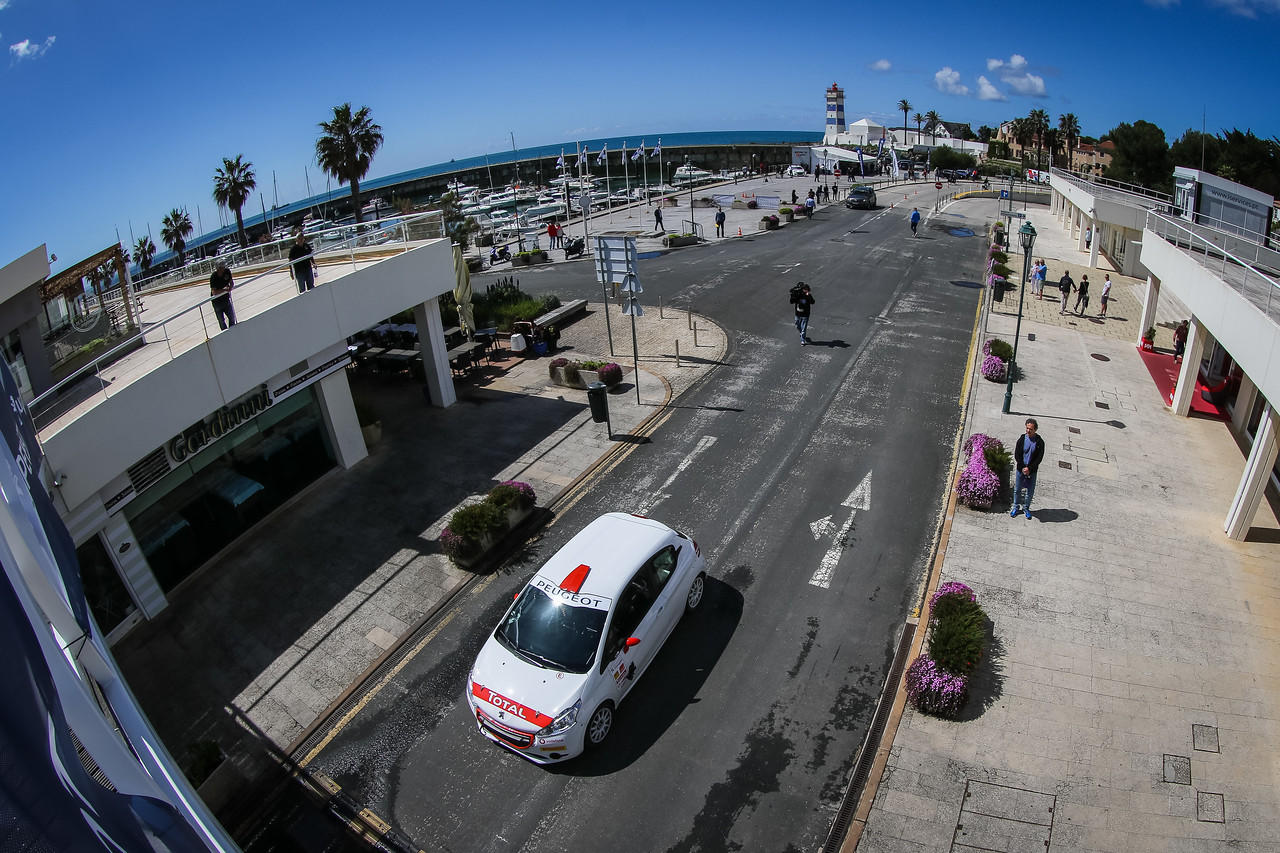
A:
(523, 691)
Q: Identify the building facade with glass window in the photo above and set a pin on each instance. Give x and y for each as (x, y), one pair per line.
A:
(168, 457)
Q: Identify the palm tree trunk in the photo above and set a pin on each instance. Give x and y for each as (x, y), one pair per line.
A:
(244, 238)
(355, 197)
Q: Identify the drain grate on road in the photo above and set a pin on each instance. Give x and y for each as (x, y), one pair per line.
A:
(1101, 405)
(1062, 464)
(1204, 738)
(1073, 430)
(1098, 356)
(1177, 769)
(1003, 818)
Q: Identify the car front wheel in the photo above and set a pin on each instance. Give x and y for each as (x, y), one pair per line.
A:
(696, 591)
(599, 726)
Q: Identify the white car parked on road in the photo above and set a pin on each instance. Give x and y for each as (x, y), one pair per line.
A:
(580, 634)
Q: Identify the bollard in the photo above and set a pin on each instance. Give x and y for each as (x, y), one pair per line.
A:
(695, 335)
(677, 352)
(690, 317)
(660, 314)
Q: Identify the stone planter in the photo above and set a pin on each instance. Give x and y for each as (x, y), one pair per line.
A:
(372, 433)
(559, 375)
(489, 542)
(787, 215)
(538, 257)
(671, 201)
(768, 225)
(673, 241)
(475, 264)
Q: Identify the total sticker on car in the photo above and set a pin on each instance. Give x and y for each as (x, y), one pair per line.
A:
(510, 706)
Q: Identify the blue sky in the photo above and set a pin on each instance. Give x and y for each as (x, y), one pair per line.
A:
(119, 113)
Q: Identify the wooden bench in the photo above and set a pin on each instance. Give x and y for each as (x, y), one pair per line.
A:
(559, 315)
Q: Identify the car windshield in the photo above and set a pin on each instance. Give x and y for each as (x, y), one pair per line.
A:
(551, 633)
(861, 191)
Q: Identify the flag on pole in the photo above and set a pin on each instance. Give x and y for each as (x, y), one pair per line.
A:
(894, 154)
(604, 151)
(861, 170)
(560, 161)
(657, 149)
(582, 152)
(639, 152)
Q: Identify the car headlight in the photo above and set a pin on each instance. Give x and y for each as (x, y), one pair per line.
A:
(565, 720)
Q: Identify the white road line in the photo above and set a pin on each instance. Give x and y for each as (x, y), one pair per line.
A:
(662, 494)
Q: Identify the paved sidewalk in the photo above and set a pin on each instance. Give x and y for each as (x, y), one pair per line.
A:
(1131, 700)
(287, 619)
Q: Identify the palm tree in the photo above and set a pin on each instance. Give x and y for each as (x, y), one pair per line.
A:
(232, 183)
(917, 118)
(905, 106)
(1022, 133)
(1070, 127)
(175, 228)
(144, 250)
(933, 119)
(1039, 126)
(346, 147)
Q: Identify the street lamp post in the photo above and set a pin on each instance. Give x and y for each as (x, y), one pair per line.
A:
(1027, 237)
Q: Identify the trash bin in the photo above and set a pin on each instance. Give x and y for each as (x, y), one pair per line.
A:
(599, 402)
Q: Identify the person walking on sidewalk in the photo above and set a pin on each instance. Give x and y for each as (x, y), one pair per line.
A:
(1038, 273)
(1065, 286)
(719, 221)
(1180, 340)
(657, 218)
(1082, 296)
(303, 263)
(220, 285)
(915, 220)
(1027, 454)
(802, 299)
(1106, 293)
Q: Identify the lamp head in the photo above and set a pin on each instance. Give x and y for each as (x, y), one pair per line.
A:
(1027, 236)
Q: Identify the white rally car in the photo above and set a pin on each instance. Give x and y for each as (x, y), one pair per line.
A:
(580, 634)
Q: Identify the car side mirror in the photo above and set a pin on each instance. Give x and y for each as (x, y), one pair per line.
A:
(632, 641)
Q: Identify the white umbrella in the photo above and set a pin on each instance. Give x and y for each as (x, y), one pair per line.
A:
(462, 292)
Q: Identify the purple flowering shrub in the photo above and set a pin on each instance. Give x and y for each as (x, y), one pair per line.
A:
(473, 526)
(950, 588)
(610, 374)
(979, 484)
(933, 690)
(455, 546)
(993, 368)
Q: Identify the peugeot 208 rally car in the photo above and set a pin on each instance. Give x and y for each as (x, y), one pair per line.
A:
(580, 634)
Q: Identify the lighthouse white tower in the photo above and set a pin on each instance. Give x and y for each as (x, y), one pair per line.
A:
(835, 114)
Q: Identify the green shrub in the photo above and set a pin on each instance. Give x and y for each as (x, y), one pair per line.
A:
(997, 457)
(475, 522)
(958, 634)
(1000, 257)
(785, 210)
(591, 365)
(1000, 349)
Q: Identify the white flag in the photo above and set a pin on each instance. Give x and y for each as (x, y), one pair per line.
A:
(582, 152)
(604, 150)
(638, 153)
(657, 149)
(893, 153)
(560, 161)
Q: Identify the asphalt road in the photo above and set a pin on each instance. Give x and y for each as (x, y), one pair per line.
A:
(794, 467)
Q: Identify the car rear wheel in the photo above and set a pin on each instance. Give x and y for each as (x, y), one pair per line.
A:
(599, 726)
(696, 590)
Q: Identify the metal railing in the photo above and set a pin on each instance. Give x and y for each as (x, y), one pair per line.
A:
(196, 322)
(1086, 182)
(1237, 273)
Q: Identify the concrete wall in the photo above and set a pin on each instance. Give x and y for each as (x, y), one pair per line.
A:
(92, 450)
(1252, 339)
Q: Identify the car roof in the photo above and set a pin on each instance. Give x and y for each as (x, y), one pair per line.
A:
(613, 547)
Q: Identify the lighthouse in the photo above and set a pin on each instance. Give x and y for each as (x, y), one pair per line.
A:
(835, 114)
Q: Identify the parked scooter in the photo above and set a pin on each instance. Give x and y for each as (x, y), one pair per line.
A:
(495, 255)
(574, 248)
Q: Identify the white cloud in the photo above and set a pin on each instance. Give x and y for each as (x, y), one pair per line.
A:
(878, 65)
(988, 92)
(4, 4)
(1014, 74)
(26, 50)
(948, 80)
(1248, 8)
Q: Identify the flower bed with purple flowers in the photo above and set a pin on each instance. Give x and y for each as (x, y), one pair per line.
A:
(995, 357)
(938, 680)
(980, 483)
(475, 528)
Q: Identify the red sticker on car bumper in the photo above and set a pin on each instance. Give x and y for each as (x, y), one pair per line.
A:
(510, 706)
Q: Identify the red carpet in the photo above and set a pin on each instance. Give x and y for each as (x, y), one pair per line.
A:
(1164, 371)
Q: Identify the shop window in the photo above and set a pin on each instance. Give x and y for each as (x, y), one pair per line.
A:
(203, 504)
(108, 598)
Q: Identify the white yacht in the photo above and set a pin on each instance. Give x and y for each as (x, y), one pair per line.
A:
(544, 209)
(686, 175)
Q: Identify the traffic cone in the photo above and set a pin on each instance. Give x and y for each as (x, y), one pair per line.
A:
(739, 230)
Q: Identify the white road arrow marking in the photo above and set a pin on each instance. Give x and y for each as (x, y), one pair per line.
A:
(662, 494)
(859, 498)
(821, 527)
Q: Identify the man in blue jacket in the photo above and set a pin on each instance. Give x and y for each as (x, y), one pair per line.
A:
(1026, 457)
